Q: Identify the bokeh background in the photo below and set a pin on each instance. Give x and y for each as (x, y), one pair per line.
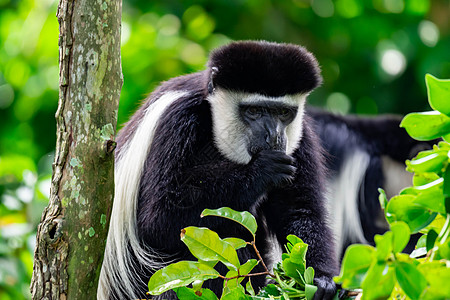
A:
(373, 53)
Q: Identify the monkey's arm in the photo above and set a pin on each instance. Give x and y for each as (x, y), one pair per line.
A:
(299, 209)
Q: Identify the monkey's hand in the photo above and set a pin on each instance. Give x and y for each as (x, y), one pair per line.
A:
(275, 168)
(326, 288)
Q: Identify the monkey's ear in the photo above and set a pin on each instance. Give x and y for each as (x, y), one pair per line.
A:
(211, 86)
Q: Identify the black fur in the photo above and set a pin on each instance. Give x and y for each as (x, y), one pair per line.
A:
(266, 68)
(185, 172)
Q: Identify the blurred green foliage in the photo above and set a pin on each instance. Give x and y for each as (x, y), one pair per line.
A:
(373, 53)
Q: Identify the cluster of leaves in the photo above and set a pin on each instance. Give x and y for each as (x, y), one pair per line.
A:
(383, 271)
(292, 279)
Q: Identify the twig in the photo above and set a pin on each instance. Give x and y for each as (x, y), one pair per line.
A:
(261, 260)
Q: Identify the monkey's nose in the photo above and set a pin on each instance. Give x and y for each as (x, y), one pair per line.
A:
(272, 140)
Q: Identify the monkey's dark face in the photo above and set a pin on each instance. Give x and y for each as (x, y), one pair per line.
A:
(246, 123)
(266, 125)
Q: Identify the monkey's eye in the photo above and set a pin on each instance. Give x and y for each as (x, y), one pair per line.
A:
(253, 112)
(285, 114)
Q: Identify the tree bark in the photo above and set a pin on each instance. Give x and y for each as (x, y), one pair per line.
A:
(72, 234)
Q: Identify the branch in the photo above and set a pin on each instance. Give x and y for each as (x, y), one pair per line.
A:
(261, 260)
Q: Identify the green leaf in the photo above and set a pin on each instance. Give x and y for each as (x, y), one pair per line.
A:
(410, 279)
(356, 263)
(294, 270)
(298, 253)
(382, 198)
(431, 239)
(433, 186)
(179, 274)
(442, 145)
(249, 288)
(422, 242)
(294, 262)
(232, 283)
(384, 245)
(197, 285)
(438, 94)
(403, 257)
(248, 266)
(212, 263)
(379, 282)
(301, 281)
(438, 277)
(244, 218)
(310, 290)
(444, 249)
(436, 225)
(269, 290)
(446, 188)
(184, 293)
(409, 191)
(403, 208)
(446, 138)
(206, 245)
(430, 163)
(309, 275)
(294, 239)
(236, 243)
(424, 178)
(243, 270)
(236, 293)
(433, 201)
(401, 235)
(427, 125)
(430, 196)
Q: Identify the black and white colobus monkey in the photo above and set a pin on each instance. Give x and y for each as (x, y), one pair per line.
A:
(363, 154)
(233, 135)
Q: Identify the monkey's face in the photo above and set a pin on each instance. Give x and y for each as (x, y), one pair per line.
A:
(266, 124)
(246, 123)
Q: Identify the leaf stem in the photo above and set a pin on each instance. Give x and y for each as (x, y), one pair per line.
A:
(261, 260)
(247, 275)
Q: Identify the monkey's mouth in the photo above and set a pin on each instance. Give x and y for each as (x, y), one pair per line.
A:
(258, 148)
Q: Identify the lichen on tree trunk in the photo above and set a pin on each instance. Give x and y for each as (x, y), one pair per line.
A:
(72, 234)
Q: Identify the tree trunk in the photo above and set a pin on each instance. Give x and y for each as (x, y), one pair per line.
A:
(72, 234)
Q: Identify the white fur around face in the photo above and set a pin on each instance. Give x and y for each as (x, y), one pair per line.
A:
(118, 271)
(230, 134)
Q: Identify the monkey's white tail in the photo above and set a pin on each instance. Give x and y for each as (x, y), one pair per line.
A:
(345, 191)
